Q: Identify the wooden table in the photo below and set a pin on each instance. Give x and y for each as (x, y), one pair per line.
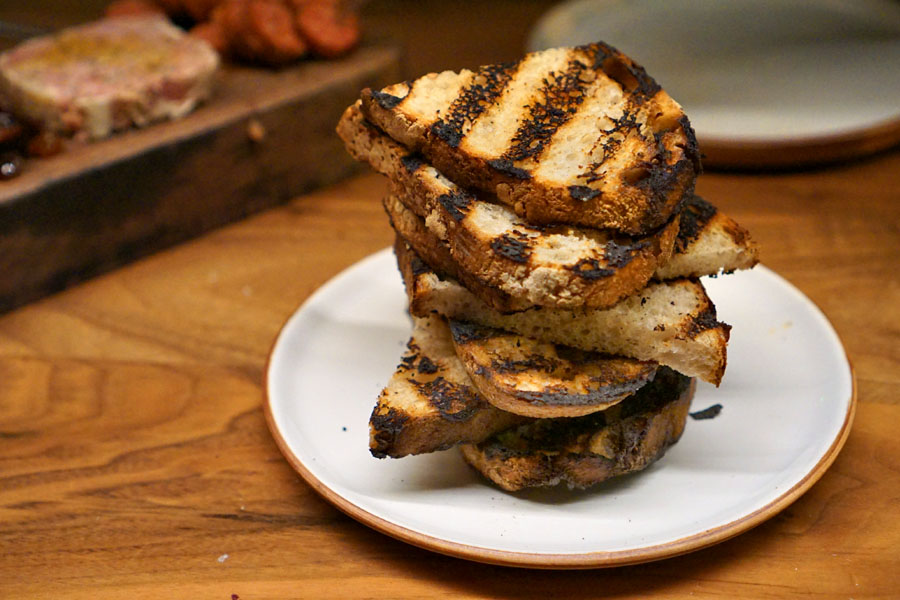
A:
(135, 460)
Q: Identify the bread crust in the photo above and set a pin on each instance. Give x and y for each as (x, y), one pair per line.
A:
(585, 451)
(642, 157)
(673, 322)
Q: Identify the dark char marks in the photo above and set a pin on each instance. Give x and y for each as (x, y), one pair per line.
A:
(385, 100)
(619, 255)
(583, 192)
(465, 331)
(706, 320)
(506, 167)
(456, 204)
(558, 99)
(484, 89)
(590, 269)
(412, 162)
(386, 426)
(695, 216)
(511, 248)
(455, 403)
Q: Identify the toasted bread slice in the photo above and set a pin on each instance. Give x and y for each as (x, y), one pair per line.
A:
(673, 322)
(537, 268)
(557, 265)
(544, 380)
(570, 135)
(412, 230)
(708, 243)
(584, 451)
(430, 403)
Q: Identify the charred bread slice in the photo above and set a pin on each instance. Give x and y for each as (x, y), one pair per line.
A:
(544, 380)
(430, 403)
(426, 247)
(672, 322)
(708, 243)
(569, 135)
(556, 265)
(584, 451)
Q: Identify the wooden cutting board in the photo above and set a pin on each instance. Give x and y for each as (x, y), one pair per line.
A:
(265, 137)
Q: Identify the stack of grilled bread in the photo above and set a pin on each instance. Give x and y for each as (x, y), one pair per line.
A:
(550, 242)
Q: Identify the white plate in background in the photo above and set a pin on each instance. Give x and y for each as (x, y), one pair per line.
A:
(801, 79)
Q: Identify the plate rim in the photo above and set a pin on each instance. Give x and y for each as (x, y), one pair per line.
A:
(580, 560)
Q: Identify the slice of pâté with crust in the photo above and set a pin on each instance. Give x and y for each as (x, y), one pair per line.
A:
(584, 451)
(673, 323)
(94, 79)
(567, 135)
(544, 380)
(550, 265)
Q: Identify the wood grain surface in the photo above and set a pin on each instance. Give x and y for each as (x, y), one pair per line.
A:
(264, 137)
(135, 461)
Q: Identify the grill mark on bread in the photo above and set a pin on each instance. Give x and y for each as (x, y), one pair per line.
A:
(412, 162)
(512, 248)
(557, 100)
(658, 180)
(583, 192)
(485, 87)
(454, 403)
(559, 397)
(456, 204)
(385, 100)
(386, 426)
(506, 167)
(590, 269)
(695, 216)
(538, 379)
(706, 320)
(465, 331)
(617, 256)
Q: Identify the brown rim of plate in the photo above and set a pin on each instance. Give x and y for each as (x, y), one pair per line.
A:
(801, 151)
(587, 560)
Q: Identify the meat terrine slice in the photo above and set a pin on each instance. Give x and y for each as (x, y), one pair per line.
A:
(106, 76)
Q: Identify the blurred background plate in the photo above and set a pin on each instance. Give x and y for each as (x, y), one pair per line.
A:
(765, 82)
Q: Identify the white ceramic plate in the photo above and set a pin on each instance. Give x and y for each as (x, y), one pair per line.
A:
(788, 399)
(756, 73)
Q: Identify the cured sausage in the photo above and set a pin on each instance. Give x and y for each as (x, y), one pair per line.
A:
(260, 30)
(327, 26)
(130, 8)
(199, 10)
(213, 33)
